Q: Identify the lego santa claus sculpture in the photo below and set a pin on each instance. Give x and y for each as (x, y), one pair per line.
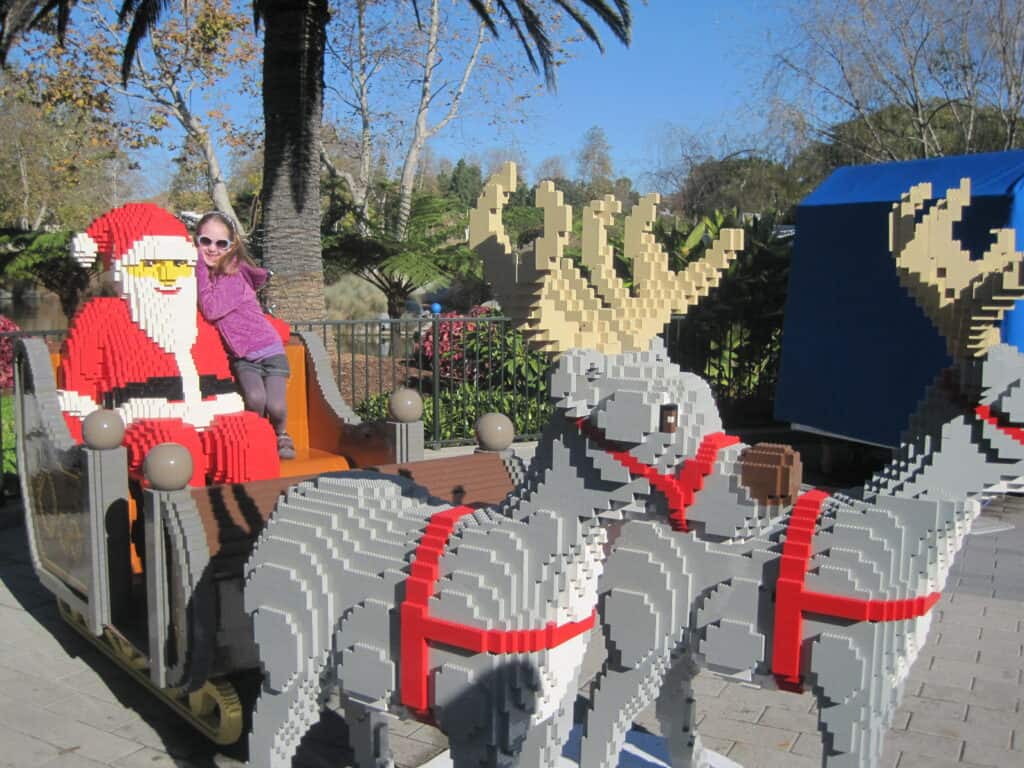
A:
(149, 355)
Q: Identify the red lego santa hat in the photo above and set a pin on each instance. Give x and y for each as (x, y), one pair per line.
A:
(128, 234)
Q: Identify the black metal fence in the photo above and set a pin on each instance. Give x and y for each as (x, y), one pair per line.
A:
(462, 367)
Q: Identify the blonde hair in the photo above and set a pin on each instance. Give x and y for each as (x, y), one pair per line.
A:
(237, 252)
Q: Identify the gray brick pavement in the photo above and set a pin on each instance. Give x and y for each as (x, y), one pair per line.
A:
(64, 705)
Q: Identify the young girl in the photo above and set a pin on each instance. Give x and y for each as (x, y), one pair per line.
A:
(227, 281)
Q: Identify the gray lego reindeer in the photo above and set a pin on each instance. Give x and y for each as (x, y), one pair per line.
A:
(782, 590)
(478, 620)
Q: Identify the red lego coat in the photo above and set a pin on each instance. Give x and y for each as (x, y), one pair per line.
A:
(109, 362)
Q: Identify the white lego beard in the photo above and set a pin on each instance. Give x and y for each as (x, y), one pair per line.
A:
(169, 319)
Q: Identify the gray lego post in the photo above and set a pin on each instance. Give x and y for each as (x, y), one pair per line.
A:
(405, 406)
(106, 489)
(168, 468)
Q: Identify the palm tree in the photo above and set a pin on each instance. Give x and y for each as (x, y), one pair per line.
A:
(293, 68)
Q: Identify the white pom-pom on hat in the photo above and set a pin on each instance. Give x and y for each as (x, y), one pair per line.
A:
(84, 249)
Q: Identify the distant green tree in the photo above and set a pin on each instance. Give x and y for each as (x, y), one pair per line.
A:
(523, 222)
(594, 163)
(464, 184)
(749, 183)
(190, 186)
(733, 338)
(551, 168)
(622, 190)
(59, 165)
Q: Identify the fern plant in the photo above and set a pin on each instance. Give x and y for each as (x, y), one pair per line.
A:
(433, 251)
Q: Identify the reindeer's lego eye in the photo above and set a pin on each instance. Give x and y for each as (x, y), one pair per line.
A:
(669, 419)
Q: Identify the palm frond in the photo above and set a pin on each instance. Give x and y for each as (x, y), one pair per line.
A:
(19, 16)
(63, 8)
(528, 26)
(434, 248)
(619, 22)
(582, 22)
(144, 15)
(513, 22)
(258, 13)
(414, 267)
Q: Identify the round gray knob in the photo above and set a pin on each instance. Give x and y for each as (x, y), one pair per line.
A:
(168, 467)
(103, 429)
(494, 431)
(405, 405)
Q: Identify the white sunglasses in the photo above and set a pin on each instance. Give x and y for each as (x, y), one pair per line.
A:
(206, 242)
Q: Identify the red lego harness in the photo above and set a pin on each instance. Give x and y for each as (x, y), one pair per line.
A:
(419, 628)
(679, 491)
(985, 413)
(792, 598)
(948, 383)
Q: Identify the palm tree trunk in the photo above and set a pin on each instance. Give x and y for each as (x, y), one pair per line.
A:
(293, 87)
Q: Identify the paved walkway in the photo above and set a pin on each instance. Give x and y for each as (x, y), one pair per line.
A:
(64, 705)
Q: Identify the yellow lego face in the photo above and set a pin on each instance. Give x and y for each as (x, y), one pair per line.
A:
(166, 271)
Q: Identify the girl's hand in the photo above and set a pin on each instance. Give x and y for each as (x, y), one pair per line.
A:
(257, 276)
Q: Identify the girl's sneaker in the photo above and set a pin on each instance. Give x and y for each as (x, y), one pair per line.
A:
(285, 446)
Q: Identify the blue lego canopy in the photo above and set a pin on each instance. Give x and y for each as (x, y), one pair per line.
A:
(857, 352)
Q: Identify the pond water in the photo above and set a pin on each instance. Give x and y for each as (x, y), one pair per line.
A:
(36, 312)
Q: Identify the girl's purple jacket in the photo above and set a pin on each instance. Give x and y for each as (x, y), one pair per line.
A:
(229, 302)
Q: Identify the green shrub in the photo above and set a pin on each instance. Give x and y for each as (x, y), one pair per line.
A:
(504, 357)
(461, 406)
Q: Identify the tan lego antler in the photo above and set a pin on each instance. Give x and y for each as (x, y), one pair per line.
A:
(964, 299)
(558, 307)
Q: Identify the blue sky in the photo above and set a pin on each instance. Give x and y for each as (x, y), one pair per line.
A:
(699, 66)
(695, 65)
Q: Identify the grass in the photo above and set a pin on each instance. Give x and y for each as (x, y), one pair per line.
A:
(10, 458)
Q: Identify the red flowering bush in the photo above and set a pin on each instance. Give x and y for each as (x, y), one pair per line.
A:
(7, 353)
(449, 346)
(491, 354)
